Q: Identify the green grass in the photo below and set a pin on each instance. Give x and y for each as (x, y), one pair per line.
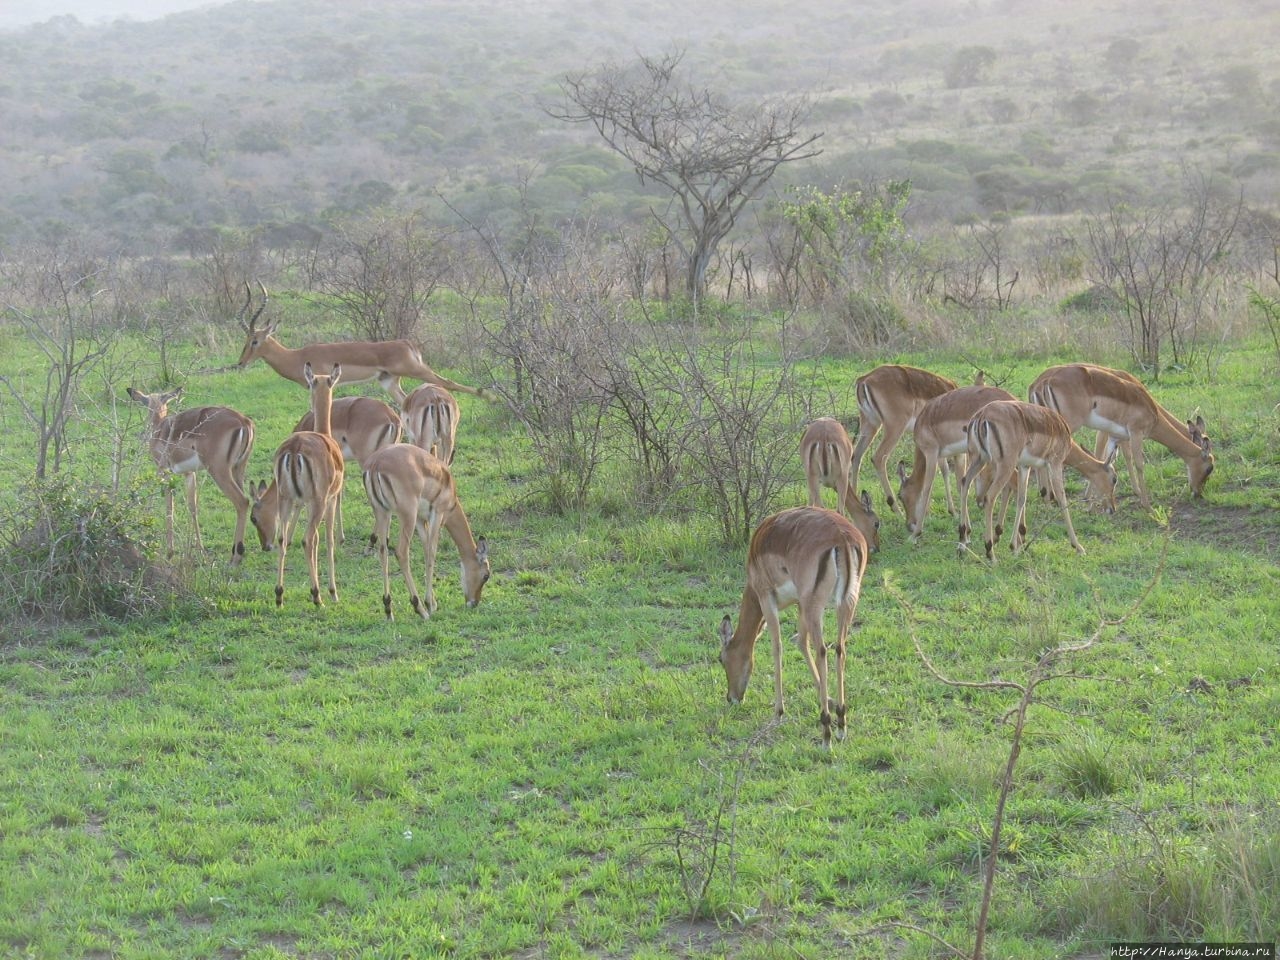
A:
(556, 772)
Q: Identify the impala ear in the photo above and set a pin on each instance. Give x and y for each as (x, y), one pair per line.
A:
(482, 550)
(866, 499)
(308, 373)
(726, 631)
(335, 374)
(902, 471)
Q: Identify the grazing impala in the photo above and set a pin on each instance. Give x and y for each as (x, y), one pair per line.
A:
(891, 396)
(383, 360)
(361, 426)
(216, 439)
(826, 451)
(418, 488)
(1010, 436)
(430, 415)
(939, 434)
(1122, 410)
(309, 472)
(808, 556)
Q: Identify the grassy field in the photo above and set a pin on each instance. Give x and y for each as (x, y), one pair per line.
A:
(556, 773)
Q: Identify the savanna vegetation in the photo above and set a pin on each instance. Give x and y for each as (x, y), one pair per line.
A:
(1045, 754)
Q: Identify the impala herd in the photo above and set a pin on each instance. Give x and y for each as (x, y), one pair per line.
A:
(808, 556)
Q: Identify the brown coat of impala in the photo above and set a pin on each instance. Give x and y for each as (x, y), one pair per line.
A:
(430, 415)
(216, 439)
(1009, 437)
(418, 489)
(827, 453)
(383, 360)
(808, 556)
(360, 426)
(309, 473)
(939, 435)
(1123, 411)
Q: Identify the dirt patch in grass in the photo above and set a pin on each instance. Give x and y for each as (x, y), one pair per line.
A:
(1227, 528)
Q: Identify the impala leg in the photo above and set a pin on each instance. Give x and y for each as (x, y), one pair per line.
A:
(311, 546)
(432, 544)
(168, 515)
(193, 504)
(881, 460)
(945, 466)
(285, 515)
(1066, 511)
(337, 511)
(866, 433)
(333, 509)
(381, 533)
(1020, 517)
(844, 620)
(408, 524)
(814, 650)
(1137, 471)
(964, 529)
(770, 612)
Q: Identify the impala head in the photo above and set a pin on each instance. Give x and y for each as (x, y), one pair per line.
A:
(737, 657)
(865, 519)
(1105, 497)
(480, 572)
(255, 336)
(1198, 470)
(262, 514)
(322, 380)
(156, 403)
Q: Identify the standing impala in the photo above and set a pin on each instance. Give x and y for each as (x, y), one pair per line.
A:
(890, 397)
(1010, 436)
(939, 434)
(361, 426)
(430, 415)
(383, 360)
(418, 488)
(808, 556)
(1122, 410)
(826, 451)
(309, 472)
(216, 439)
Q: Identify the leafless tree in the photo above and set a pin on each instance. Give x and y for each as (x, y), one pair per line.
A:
(381, 270)
(713, 155)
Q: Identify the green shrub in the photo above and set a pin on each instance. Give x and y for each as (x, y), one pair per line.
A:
(75, 550)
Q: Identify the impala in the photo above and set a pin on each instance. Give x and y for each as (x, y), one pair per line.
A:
(890, 397)
(1123, 411)
(826, 451)
(309, 472)
(939, 434)
(361, 426)
(362, 360)
(417, 487)
(216, 439)
(430, 415)
(808, 556)
(1010, 436)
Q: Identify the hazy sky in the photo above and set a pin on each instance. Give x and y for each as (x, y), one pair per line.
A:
(15, 13)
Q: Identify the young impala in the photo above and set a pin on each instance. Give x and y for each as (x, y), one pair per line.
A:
(309, 472)
(1010, 436)
(809, 556)
(417, 487)
(827, 451)
(361, 426)
(216, 439)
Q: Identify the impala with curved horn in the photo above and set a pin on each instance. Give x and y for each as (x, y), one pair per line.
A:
(362, 360)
